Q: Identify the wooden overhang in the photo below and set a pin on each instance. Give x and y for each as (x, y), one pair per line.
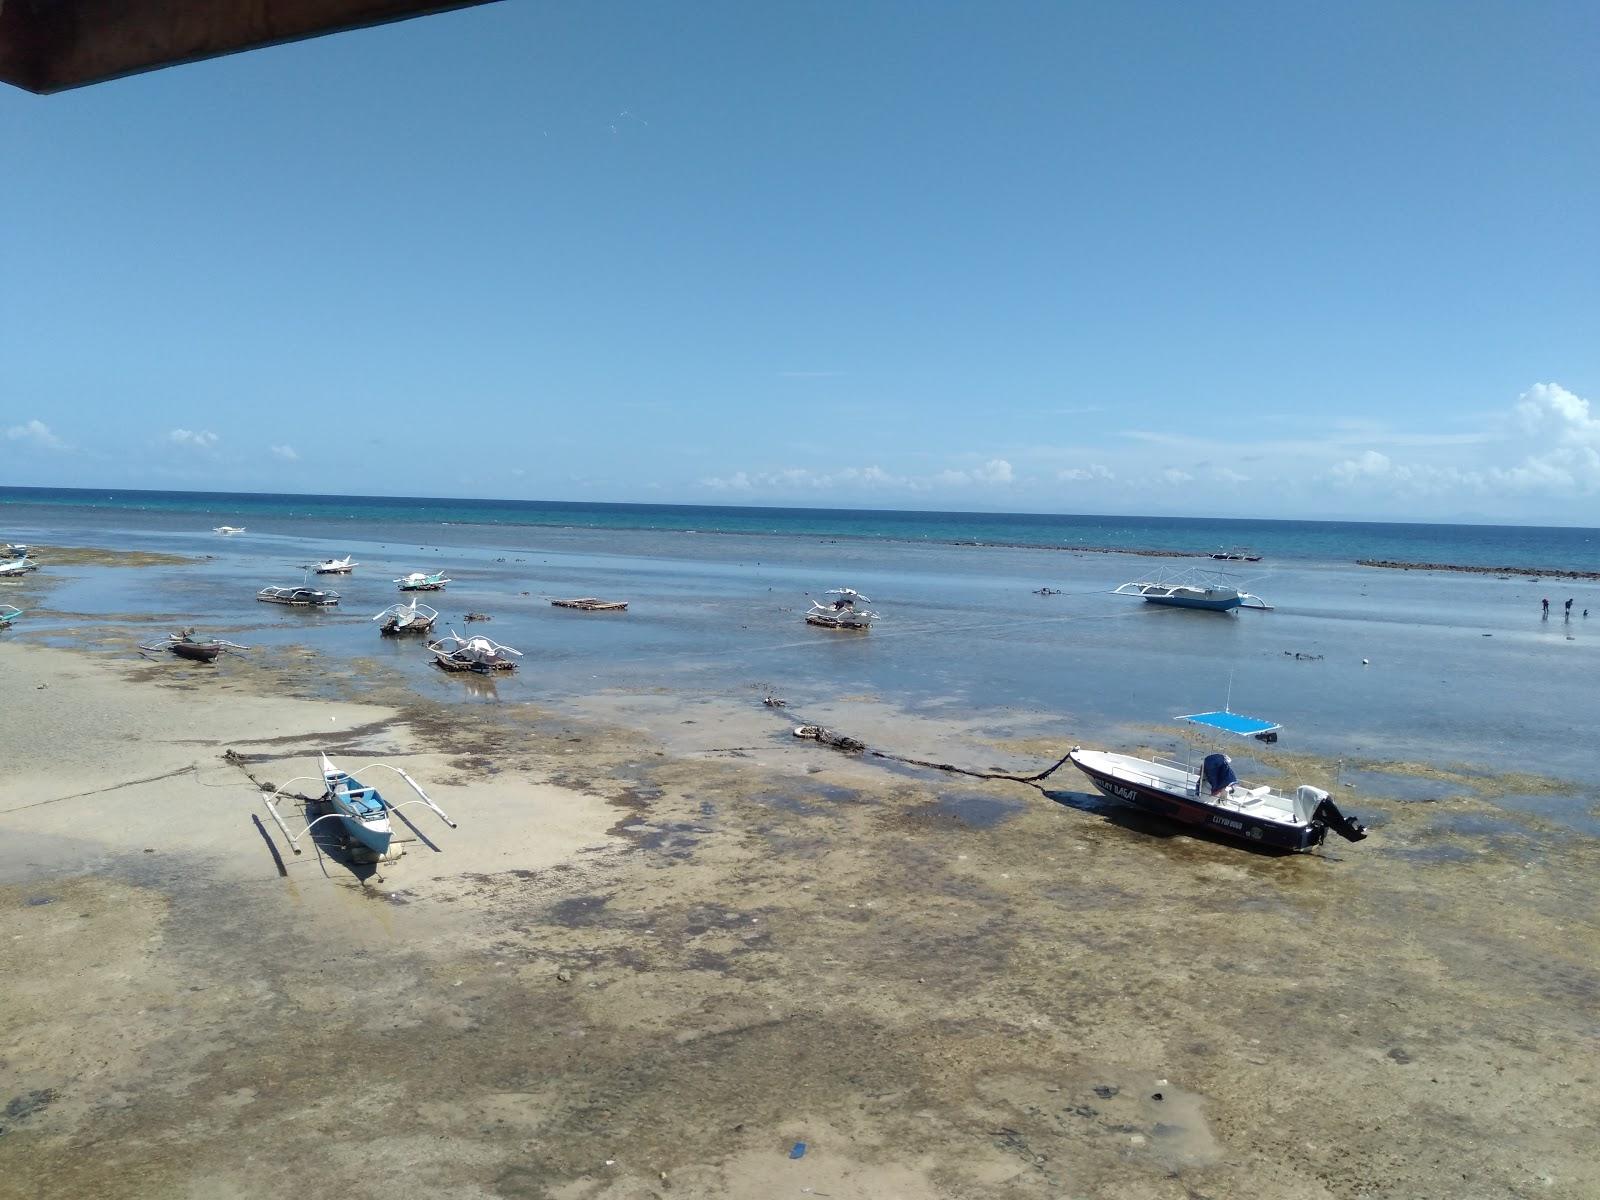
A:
(51, 45)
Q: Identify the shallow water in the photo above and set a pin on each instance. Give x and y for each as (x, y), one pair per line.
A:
(1392, 666)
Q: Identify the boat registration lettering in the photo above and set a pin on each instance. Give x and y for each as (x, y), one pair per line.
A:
(1229, 822)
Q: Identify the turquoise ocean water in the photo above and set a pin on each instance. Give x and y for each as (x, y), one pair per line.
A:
(1461, 670)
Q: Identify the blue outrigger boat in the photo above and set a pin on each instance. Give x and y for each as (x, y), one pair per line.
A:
(8, 614)
(361, 810)
(1212, 796)
(1191, 589)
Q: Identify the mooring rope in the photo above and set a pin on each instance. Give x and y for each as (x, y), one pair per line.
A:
(849, 745)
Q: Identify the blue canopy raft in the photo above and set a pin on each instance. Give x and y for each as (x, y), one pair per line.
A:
(1213, 798)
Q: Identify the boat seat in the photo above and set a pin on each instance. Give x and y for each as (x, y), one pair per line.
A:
(1251, 795)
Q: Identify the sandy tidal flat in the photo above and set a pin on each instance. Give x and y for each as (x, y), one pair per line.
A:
(641, 968)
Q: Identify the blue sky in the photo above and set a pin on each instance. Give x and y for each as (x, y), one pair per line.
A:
(1166, 258)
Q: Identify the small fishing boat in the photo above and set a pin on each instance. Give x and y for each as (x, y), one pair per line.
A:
(298, 597)
(8, 614)
(228, 530)
(421, 581)
(1237, 554)
(17, 566)
(336, 566)
(480, 654)
(1211, 797)
(13, 550)
(1191, 589)
(406, 618)
(187, 645)
(361, 811)
(842, 613)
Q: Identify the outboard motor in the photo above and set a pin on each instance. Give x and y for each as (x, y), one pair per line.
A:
(1350, 829)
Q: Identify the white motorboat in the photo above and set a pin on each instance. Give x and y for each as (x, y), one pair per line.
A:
(17, 566)
(336, 566)
(847, 612)
(1211, 795)
(228, 529)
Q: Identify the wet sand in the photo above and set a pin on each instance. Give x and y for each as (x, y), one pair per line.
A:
(659, 952)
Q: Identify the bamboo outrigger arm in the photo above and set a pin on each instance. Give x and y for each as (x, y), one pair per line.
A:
(415, 787)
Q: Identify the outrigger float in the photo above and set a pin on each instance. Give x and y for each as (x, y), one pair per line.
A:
(842, 613)
(361, 811)
(401, 619)
(1212, 797)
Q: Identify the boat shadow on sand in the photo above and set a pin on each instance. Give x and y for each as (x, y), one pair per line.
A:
(333, 847)
(1151, 825)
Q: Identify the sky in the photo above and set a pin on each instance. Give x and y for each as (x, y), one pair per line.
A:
(1224, 259)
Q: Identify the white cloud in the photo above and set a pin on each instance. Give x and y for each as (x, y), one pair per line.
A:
(994, 472)
(36, 432)
(1093, 473)
(1174, 476)
(287, 453)
(1548, 444)
(202, 439)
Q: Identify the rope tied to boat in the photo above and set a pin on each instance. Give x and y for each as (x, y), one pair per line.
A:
(849, 745)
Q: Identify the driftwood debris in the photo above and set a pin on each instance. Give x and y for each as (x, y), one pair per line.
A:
(591, 604)
(849, 745)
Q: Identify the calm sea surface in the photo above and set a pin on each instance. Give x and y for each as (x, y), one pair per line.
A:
(1459, 671)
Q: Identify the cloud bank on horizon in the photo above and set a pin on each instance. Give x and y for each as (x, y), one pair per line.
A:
(1536, 460)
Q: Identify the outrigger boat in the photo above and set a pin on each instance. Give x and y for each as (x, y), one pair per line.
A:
(481, 654)
(336, 566)
(298, 597)
(842, 613)
(360, 810)
(13, 550)
(1191, 589)
(228, 529)
(406, 618)
(18, 566)
(421, 581)
(1213, 798)
(186, 645)
(1237, 554)
(8, 614)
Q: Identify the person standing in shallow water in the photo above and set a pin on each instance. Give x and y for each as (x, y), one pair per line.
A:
(1545, 607)
(1569, 608)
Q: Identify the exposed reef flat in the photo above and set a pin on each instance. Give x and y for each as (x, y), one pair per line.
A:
(1525, 572)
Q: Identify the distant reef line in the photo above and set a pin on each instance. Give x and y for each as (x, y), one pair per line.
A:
(1541, 572)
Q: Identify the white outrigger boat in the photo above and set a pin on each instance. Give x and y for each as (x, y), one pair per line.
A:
(481, 654)
(406, 618)
(842, 613)
(14, 550)
(336, 566)
(1212, 797)
(228, 530)
(17, 566)
(1191, 589)
(360, 810)
(421, 581)
(298, 597)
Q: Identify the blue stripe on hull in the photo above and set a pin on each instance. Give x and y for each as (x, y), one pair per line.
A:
(1186, 602)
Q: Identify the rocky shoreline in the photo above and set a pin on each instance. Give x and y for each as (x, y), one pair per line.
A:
(1527, 572)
